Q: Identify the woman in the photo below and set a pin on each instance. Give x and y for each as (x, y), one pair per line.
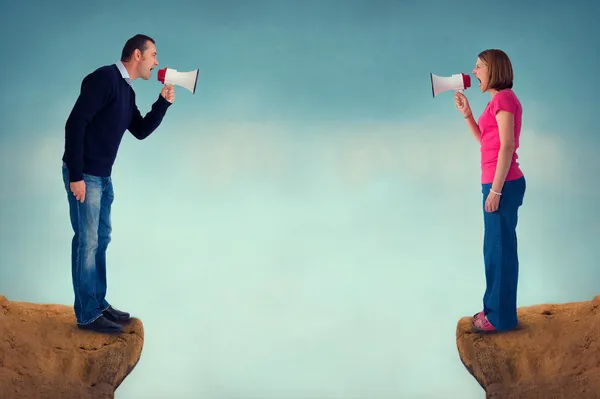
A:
(503, 186)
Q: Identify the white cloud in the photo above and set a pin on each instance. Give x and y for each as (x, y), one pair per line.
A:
(356, 154)
(350, 155)
(545, 158)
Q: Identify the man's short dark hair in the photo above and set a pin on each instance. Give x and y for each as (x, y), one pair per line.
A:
(138, 42)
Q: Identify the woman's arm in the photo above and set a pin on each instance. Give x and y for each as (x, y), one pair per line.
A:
(473, 127)
(506, 131)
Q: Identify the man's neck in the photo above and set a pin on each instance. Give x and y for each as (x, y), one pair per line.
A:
(130, 70)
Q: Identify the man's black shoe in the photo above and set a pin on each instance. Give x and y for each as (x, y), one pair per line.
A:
(102, 324)
(115, 315)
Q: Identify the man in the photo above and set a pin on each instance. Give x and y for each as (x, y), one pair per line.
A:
(103, 111)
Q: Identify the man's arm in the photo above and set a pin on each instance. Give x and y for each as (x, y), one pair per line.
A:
(141, 127)
(95, 92)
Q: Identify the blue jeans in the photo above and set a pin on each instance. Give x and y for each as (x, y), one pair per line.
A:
(91, 224)
(500, 255)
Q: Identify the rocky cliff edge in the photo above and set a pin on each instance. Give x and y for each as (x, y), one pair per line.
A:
(554, 354)
(43, 355)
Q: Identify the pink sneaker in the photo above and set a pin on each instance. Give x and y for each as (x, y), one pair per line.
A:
(478, 315)
(481, 324)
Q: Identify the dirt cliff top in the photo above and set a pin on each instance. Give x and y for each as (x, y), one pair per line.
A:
(555, 353)
(44, 355)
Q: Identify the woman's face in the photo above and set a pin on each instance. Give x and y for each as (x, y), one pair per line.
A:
(481, 72)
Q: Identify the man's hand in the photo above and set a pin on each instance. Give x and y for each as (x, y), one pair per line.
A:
(78, 190)
(168, 93)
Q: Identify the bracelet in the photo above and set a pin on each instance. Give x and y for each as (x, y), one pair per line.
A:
(467, 117)
(492, 191)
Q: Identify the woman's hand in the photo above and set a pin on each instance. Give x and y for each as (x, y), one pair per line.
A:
(492, 202)
(462, 104)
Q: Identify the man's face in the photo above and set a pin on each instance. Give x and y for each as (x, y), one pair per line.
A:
(147, 61)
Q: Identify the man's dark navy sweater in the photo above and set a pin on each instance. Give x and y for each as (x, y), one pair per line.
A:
(103, 111)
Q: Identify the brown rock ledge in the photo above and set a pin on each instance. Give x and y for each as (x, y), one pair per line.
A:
(43, 355)
(554, 354)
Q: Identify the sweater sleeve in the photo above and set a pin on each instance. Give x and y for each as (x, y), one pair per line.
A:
(95, 93)
(141, 127)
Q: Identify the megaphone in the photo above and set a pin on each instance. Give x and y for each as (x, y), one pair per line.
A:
(184, 79)
(457, 82)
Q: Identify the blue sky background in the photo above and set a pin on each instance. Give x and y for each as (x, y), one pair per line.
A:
(308, 224)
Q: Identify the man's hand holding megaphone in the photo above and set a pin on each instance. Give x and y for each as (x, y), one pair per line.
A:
(168, 93)
(187, 80)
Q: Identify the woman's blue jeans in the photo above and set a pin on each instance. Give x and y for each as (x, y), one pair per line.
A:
(500, 255)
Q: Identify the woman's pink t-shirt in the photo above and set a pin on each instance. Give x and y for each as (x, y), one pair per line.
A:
(504, 100)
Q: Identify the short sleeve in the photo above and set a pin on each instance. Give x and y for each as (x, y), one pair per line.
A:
(504, 101)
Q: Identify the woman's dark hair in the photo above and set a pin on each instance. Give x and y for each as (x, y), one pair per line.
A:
(500, 69)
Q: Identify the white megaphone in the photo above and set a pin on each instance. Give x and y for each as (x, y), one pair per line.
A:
(184, 79)
(457, 82)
